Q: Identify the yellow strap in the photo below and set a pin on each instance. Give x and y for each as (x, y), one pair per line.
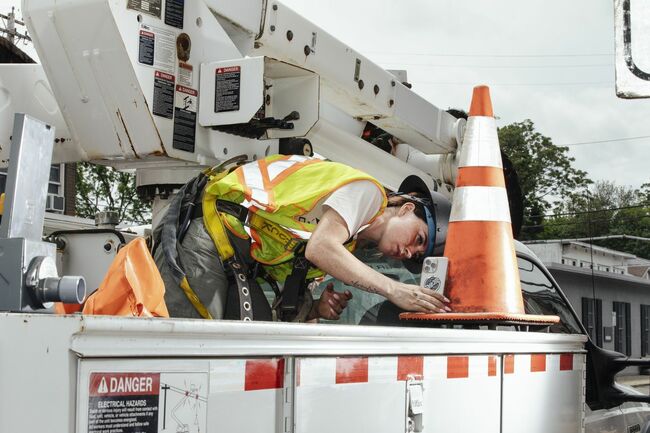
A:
(194, 299)
(2, 203)
(216, 229)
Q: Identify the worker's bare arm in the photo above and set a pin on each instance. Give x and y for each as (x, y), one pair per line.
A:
(326, 251)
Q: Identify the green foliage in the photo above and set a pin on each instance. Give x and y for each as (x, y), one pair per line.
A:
(545, 170)
(604, 209)
(102, 188)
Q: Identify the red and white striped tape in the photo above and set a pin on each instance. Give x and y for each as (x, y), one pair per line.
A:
(266, 374)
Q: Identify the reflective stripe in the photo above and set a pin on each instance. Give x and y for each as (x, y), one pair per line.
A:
(253, 175)
(480, 203)
(260, 197)
(277, 167)
(299, 158)
(481, 144)
(254, 180)
(300, 233)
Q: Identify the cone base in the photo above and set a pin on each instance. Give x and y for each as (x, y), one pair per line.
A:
(483, 318)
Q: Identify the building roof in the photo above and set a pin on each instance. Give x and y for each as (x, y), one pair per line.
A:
(585, 245)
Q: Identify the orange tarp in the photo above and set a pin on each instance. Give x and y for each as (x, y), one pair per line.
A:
(132, 286)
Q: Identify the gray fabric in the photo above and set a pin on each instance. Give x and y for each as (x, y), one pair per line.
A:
(198, 256)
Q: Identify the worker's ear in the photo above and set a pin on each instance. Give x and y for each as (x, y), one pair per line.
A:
(406, 208)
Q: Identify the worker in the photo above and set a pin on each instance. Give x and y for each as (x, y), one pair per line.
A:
(304, 216)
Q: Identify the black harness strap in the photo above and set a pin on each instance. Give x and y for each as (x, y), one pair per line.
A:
(293, 294)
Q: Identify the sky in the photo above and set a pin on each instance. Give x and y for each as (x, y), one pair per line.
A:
(551, 61)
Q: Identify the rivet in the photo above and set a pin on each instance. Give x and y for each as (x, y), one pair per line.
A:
(376, 89)
(391, 103)
(275, 7)
(307, 50)
(272, 28)
(289, 35)
(361, 84)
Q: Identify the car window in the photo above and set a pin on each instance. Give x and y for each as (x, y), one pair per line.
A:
(540, 295)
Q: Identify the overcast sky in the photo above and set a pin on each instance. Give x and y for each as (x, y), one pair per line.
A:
(551, 61)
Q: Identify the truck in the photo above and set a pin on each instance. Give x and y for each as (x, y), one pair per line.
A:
(168, 88)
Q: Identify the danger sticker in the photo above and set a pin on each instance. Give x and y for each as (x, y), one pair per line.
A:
(163, 95)
(227, 89)
(146, 402)
(185, 106)
(123, 402)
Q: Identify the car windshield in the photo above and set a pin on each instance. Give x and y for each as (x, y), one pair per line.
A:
(540, 294)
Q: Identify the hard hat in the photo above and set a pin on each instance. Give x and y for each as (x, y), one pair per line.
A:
(437, 209)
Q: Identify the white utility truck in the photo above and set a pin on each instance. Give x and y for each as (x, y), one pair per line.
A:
(168, 88)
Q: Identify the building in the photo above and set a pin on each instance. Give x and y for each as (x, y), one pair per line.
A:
(61, 189)
(612, 297)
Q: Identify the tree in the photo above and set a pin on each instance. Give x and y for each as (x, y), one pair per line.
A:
(101, 188)
(545, 171)
(604, 209)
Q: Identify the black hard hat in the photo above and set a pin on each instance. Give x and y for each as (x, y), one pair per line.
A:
(437, 210)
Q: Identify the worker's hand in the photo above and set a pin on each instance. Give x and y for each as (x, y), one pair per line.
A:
(331, 304)
(418, 299)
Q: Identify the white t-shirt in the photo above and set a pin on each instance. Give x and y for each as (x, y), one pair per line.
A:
(357, 203)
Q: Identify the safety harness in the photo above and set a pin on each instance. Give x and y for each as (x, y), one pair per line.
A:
(292, 304)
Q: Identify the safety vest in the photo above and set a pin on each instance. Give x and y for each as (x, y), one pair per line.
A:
(282, 189)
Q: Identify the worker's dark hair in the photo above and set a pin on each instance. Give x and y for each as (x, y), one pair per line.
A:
(398, 199)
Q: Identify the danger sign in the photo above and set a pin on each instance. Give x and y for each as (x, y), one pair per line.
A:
(123, 402)
(115, 384)
(146, 402)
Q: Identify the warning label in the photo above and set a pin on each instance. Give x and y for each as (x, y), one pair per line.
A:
(174, 13)
(163, 95)
(157, 48)
(147, 402)
(185, 118)
(151, 7)
(123, 403)
(185, 74)
(147, 47)
(227, 89)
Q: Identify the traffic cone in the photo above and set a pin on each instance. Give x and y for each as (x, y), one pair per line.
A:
(483, 277)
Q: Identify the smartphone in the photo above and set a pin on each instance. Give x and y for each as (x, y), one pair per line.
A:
(434, 273)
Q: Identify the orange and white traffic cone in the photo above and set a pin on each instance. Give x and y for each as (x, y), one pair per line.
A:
(483, 277)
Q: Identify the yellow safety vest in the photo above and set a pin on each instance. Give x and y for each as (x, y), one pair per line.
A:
(279, 190)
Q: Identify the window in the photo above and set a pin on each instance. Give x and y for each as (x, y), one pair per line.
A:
(645, 330)
(592, 319)
(622, 329)
(55, 186)
(542, 297)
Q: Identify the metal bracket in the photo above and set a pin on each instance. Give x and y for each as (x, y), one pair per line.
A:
(414, 404)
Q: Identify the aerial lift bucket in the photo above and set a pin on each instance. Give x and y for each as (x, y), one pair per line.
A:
(483, 277)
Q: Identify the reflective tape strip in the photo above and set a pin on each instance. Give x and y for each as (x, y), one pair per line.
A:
(299, 158)
(352, 370)
(253, 176)
(481, 144)
(264, 374)
(300, 233)
(277, 167)
(260, 197)
(480, 203)
(228, 375)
